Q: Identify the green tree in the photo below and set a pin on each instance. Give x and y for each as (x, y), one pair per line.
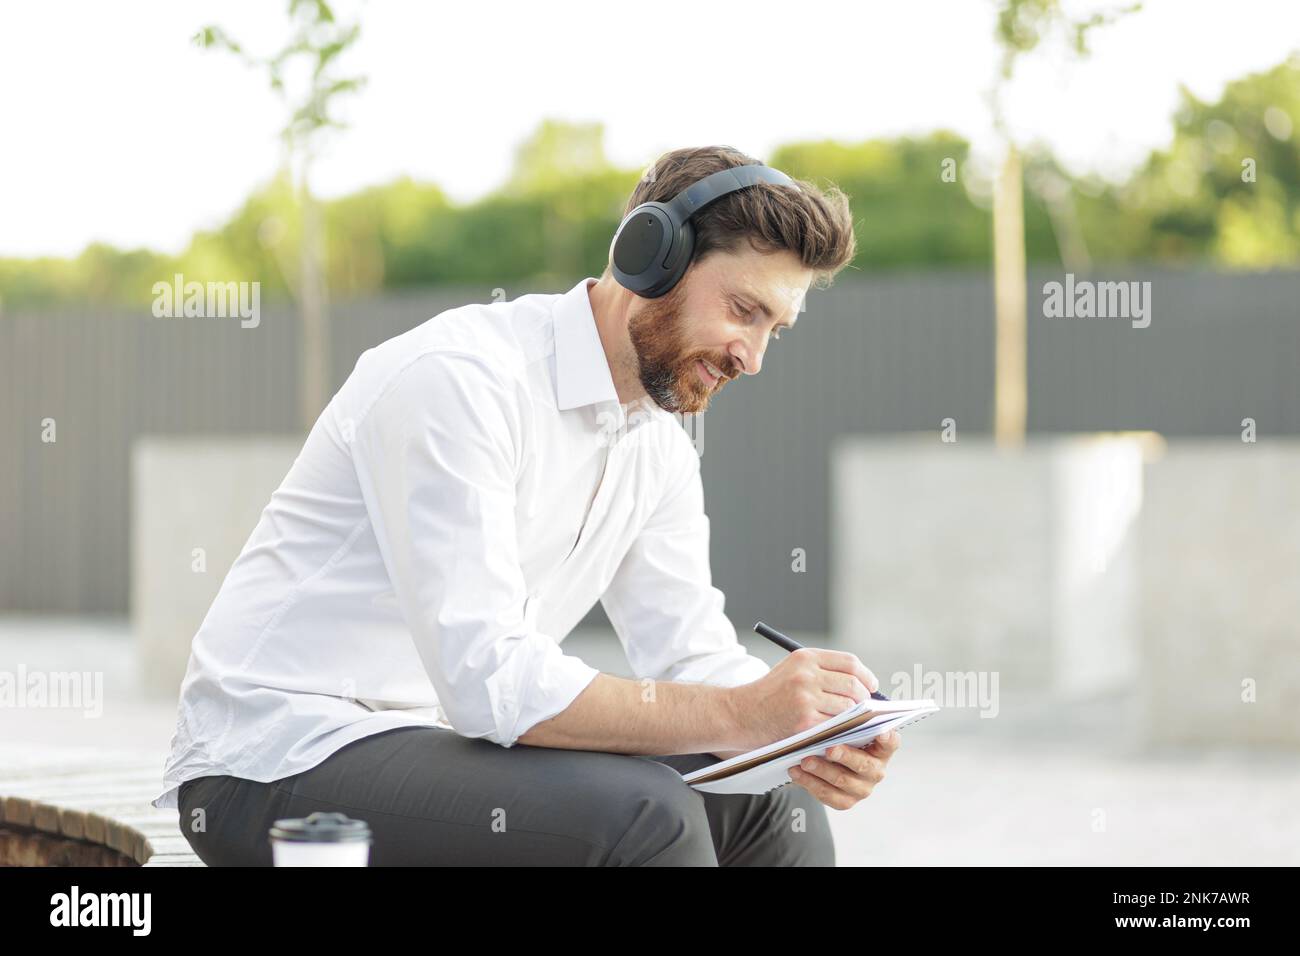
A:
(1022, 27)
(1226, 190)
(318, 40)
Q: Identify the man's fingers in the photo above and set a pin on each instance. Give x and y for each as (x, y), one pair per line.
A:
(858, 760)
(847, 692)
(847, 685)
(846, 774)
(832, 705)
(823, 791)
(841, 777)
(887, 743)
(849, 664)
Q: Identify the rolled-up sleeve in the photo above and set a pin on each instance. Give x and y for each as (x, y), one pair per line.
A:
(437, 457)
(662, 602)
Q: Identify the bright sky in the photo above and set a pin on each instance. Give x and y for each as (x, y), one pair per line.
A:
(117, 129)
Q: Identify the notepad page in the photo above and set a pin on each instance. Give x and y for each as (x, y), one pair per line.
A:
(776, 772)
(814, 735)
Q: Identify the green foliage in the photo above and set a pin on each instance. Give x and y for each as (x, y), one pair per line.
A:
(318, 39)
(554, 217)
(1022, 25)
(101, 273)
(1227, 190)
(903, 211)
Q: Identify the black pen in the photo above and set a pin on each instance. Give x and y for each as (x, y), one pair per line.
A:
(780, 640)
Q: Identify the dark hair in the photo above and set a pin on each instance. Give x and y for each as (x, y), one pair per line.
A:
(814, 224)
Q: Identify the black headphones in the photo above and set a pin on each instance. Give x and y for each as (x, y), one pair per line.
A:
(655, 241)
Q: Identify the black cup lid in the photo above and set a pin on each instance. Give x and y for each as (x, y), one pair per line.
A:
(321, 828)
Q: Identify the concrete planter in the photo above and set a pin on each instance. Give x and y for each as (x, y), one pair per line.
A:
(963, 557)
(1220, 582)
(195, 501)
(1077, 567)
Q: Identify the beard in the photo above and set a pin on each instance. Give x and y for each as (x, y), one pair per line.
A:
(666, 364)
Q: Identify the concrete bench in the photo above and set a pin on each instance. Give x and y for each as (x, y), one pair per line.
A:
(80, 808)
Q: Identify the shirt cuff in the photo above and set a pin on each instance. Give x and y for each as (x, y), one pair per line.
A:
(540, 682)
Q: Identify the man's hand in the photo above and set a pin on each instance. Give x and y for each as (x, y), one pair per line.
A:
(847, 774)
(801, 691)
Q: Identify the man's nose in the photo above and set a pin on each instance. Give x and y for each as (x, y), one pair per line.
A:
(746, 357)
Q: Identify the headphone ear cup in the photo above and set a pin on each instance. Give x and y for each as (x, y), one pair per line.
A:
(639, 245)
(679, 258)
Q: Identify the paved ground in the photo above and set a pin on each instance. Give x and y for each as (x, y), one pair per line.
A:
(1034, 786)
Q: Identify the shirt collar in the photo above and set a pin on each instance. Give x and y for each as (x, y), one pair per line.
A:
(582, 375)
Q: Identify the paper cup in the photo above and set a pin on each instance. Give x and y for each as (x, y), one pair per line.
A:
(322, 839)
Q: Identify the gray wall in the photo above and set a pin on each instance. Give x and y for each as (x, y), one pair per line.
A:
(879, 354)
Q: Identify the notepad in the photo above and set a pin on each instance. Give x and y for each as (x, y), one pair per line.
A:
(768, 767)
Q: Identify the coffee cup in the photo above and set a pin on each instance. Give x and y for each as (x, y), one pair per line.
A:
(321, 839)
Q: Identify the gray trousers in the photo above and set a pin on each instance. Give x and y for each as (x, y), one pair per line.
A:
(433, 797)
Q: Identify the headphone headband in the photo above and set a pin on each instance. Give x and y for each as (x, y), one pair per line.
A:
(716, 185)
(655, 242)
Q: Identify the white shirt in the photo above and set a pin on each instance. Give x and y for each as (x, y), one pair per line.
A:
(461, 503)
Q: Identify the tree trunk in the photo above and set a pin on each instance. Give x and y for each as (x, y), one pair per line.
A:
(1010, 400)
(314, 346)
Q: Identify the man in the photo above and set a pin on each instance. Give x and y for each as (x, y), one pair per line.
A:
(387, 644)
